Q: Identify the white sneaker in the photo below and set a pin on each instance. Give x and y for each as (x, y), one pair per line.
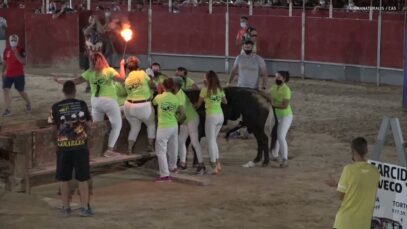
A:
(249, 164)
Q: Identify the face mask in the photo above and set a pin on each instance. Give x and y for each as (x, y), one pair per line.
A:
(279, 82)
(13, 44)
(248, 52)
(243, 24)
(156, 73)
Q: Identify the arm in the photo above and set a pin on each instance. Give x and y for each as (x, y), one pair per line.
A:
(233, 73)
(283, 104)
(88, 30)
(341, 195)
(195, 86)
(59, 14)
(263, 72)
(181, 114)
(121, 77)
(19, 57)
(198, 104)
(224, 100)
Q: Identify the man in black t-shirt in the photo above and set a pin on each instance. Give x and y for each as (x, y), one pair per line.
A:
(71, 117)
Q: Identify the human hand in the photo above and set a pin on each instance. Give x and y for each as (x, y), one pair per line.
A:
(122, 62)
(331, 182)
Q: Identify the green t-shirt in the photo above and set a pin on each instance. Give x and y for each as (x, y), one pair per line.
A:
(104, 80)
(120, 92)
(278, 94)
(359, 182)
(160, 79)
(168, 105)
(190, 111)
(188, 83)
(212, 102)
(137, 86)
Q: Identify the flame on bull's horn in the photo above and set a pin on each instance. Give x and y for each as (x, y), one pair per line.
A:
(126, 33)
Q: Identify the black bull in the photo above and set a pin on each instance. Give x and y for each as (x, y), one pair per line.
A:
(249, 104)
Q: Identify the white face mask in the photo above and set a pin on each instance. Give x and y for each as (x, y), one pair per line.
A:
(243, 25)
(13, 44)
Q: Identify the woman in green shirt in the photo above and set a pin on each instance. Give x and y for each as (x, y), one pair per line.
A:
(281, 98)
(137, 107)
(213, 95)
(104, 99)
(168, 109)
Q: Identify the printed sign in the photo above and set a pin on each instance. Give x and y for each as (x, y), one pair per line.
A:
(391, 199)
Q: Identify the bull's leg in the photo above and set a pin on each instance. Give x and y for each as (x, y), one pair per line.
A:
(259, 151)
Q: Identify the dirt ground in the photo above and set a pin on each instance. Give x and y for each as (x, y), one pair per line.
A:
(327, 115)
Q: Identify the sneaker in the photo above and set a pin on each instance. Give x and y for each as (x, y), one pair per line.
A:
(201, 170)
(86, 212)
(110, 153)
(6, 113)
(28, 108)
(164, 179)
(182, 166)
(66, 211)
(284, 163)
(174, 170)
(249, 164)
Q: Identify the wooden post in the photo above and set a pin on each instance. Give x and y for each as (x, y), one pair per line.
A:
(22, 148)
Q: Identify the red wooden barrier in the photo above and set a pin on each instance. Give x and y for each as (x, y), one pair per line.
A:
(341, 41)
(52, 42)
(392, 44)
(189, 33)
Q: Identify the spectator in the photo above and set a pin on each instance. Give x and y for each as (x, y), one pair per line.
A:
(169, 108)
(249, 67)
(52, 7)
(246, 33)
(3, 28)
(138, 108)
(190, 2)
(65, 8)
(213, 95)
(188, 83)
(13, 73)
(3, 4)
(71, 117)
(139, 5)
(357, 189)
(104, 99)
(188, 128)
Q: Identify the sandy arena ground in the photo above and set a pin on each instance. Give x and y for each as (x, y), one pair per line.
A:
(327, 115)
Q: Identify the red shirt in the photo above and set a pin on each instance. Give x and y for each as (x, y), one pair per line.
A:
(13, 66)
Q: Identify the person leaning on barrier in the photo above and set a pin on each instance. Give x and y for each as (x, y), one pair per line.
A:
(137, 107)
(72, 119)
(357, 189)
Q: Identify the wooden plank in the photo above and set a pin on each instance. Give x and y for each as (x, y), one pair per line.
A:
(96, 162)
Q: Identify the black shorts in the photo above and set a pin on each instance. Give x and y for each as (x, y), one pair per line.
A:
(73, 159)
(18, 81)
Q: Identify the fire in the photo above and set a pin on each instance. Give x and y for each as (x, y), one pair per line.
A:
(127, 34)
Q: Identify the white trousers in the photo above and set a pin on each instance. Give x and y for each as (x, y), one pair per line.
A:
(138, 113)
(190, 129)
(281, 147)
(166, 143)
(102, 106)
(213, 124)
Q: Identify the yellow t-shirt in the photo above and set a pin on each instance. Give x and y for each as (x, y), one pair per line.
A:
(167, 104)
(359, 182)
(137, 86)
(278, 94)
(101, 84)
(213, 102)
